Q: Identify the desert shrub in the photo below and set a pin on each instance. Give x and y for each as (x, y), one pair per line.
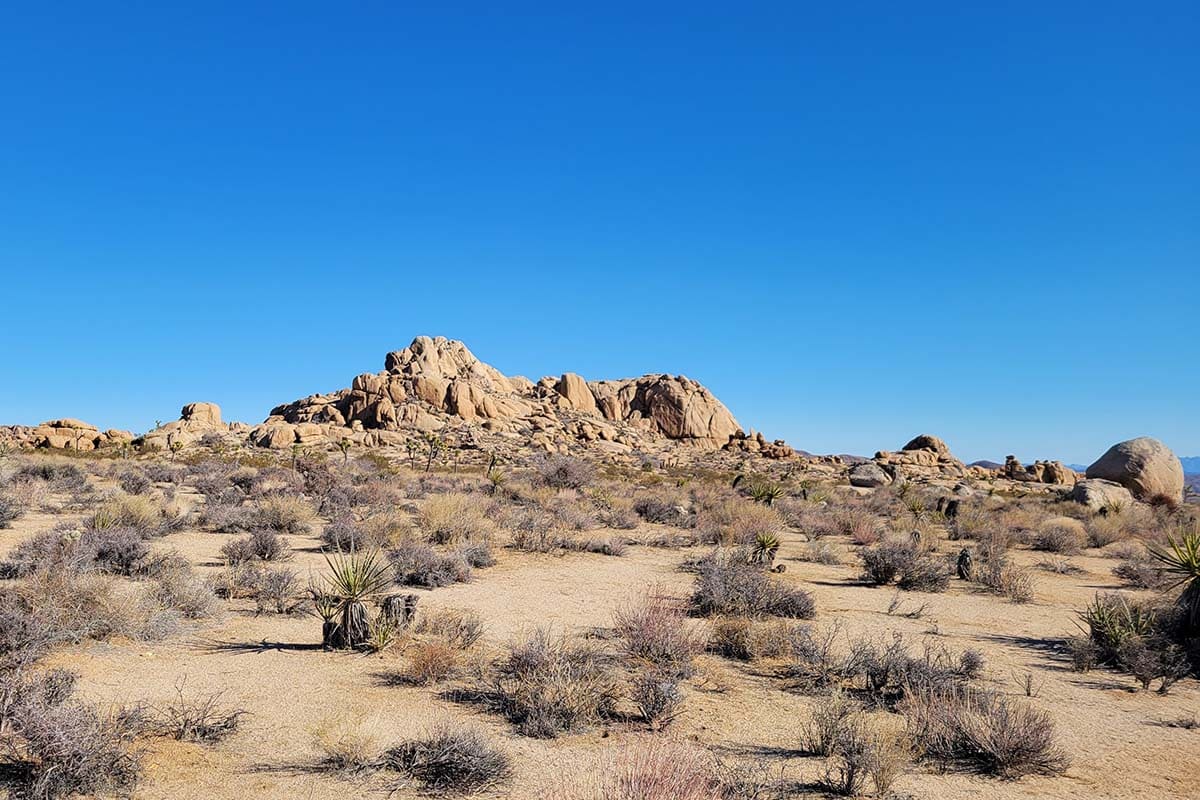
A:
(736, 522)
(925, 573)
(1060, 535)
(550, 684)
(11, 509)
(863, 752)
(655, 629)
(454, 517)
(343, 532)
(451, 759)
(1002, 577)
(275, 590)
(1142, 573)
(261, 545)
(58, 748)
(61, 477)
(832, 714)
(621, 517)
(1136, 636)
(226, 513)
(285, 514)
(727, 584)
(563, 472)
(732, 637)
(535, 531)
(860, 525)
(883, 563)
(985, 730)
(607, 546)
(654, 769)
(885, 671)
(459, 629)
(418, 564)
(205, 719)
(477, 554)
(121, 551)
(134, 481)
(432, 662)
(347, 744)
(135, 512)
(180, 589)
(820, 552)
(664, 511)
(657, 696)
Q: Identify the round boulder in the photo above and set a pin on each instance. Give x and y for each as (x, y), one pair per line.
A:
(1101, 495)
(869, 476)
(1144, 466)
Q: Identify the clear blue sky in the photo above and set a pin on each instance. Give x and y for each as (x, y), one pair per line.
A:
(854, 221)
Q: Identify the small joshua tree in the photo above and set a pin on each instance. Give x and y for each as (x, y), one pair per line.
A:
(355, 579)
(344, 446)
(435, 444)
(766, 492)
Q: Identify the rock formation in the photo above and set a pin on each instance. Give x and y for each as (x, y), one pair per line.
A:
(1144, 466)
(437, 386)
(196, 420)
(63, 434)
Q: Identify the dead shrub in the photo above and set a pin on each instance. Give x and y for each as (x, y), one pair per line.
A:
(418, 564)
(459, 629)
(260, 545)
(347, 744)
(58, 748)
(432, 662)
(863, 752)
(656, 629)
(549, 684)
(727, 584)
(861, 526)
(645, 769)
(563, 472)
(205, 719)
(452, 758)
(987, 731)
(657, 696)
(820, 552)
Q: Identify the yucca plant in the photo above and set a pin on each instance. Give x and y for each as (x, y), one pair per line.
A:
(1182, 561)
(354, 579)
(766, 492)
(766, 545)
(1113, 621)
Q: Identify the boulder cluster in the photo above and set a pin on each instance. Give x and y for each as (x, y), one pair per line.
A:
(63, 434)
(436, 386)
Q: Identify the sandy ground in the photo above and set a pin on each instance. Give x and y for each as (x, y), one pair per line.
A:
(272, 667)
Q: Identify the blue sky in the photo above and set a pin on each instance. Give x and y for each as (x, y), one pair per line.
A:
(855, 222)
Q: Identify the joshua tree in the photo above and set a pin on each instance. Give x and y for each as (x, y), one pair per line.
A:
(174, 445)
(355, 579)
(344, 446)
(411, 447)
(435, 444)
(766, 492)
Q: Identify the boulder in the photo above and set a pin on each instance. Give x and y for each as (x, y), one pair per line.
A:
(202, 414)
(576, 392)
(928, 442)
(1101, 495)
(275, 435)
(869, 476)
(1144, 466)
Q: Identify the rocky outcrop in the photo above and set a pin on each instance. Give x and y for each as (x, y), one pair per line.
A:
(196, 420)
(438, 385)
(925, 456)
(1144, 466)
(1051, 472)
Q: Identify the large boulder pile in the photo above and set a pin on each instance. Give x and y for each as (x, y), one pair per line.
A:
(436, 386)
(63, 434)
(1051, 472)
(1144, 466)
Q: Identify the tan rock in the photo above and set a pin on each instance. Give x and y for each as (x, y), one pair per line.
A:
(1144, 466)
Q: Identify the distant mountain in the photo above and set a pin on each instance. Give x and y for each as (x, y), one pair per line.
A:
(1078, 467)
(986, 464)
(1191, 464)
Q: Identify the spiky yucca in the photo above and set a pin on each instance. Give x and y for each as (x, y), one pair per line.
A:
(1182, 561)
(355, 578)
(766, 492)
(766, 545)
